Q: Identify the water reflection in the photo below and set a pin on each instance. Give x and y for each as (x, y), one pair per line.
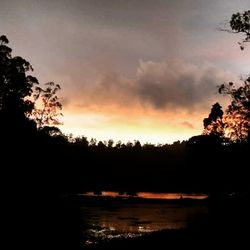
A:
(119, 218)
(148, 195)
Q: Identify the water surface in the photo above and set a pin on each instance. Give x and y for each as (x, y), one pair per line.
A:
(111, 216)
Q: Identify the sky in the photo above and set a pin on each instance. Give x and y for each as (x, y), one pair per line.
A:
(145, 70)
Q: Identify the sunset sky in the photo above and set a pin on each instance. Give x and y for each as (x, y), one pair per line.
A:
(129, 69)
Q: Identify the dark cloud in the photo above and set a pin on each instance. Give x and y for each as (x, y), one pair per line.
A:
(85, 37)
(177, 84)
(161, 86)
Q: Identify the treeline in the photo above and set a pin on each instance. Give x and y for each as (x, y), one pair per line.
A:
(204, 163)
(45, 162)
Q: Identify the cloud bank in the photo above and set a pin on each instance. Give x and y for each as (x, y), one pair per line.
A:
(160, 86)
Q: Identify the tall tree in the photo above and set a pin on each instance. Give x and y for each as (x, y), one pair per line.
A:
(15, 88)
(235, 123)
(213, 124)
(237, 117)
(22, 101)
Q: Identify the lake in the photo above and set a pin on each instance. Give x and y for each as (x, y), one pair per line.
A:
(111, 216)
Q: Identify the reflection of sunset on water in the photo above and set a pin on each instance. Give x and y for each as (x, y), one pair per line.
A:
(119, 218)
(171, 195)
(150, 195)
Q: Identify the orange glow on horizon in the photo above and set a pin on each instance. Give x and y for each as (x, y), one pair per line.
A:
(147, 126)
(150, 195)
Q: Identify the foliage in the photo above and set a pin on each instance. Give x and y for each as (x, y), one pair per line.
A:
(21, 99)
(15, 84)
(240, 23)
(213, 124)
(47, 111)
(237, 117)
(235, 123)
(51, 131)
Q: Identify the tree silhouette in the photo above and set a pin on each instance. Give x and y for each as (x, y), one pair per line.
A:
(235, 123)
(237, 117)
(15, 88)
(213, 125)
(22, 102)
(240, 23)
(48, 107)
